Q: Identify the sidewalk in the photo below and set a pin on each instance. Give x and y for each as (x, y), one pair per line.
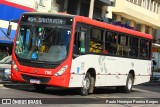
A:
(152, 84)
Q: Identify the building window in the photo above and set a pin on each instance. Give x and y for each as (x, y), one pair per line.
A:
(144, 3)
(138, 27)
(148, 5)
(154, 31)
(147, 30)
(135, 1)
(139, 2)
(125, 21)
(151, 5)
(114, 17)
(130, 1)
(158, 8)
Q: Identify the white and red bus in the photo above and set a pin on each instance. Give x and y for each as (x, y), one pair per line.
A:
(74, 51)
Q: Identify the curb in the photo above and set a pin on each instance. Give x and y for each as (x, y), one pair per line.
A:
(155, 84)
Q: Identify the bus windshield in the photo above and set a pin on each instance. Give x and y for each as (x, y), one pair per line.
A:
(43, 44)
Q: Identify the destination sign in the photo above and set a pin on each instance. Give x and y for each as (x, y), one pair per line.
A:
(46, 19)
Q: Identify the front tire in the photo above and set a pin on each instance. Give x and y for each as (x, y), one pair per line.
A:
(87, 85)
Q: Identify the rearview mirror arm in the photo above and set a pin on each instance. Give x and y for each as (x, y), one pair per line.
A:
(5, 33)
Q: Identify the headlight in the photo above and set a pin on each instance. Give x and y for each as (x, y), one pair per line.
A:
(61, 71)
(14, 66)
(7, 73)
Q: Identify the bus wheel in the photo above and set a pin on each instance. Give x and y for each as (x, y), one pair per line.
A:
(86, 84)
(39, 87)
(129, 84)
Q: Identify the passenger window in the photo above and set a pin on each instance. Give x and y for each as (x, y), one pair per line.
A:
(144, 49)
(123, 48)
(110, 42)
(96, 40)
(133, 51)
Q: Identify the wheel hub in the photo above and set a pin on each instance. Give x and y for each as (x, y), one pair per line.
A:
(86, 83)
(129, 84)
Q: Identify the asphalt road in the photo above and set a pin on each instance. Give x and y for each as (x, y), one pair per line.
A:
(1, 74)
(71, 95)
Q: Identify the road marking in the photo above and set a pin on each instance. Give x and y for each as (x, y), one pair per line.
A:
(142, 90)
(5, 88)
(102, 97)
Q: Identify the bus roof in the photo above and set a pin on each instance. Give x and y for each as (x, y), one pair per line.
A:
(49, 14)
(111, 27)
(90, 21)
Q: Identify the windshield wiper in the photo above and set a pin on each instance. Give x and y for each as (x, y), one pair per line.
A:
(5, 33)
(38, 62)
(45, 62)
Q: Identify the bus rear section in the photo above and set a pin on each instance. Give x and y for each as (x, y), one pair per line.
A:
(108, 55)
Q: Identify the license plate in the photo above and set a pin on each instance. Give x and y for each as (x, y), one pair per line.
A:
(35, 81)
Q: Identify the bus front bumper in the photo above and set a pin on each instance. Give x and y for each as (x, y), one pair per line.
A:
(59, 81)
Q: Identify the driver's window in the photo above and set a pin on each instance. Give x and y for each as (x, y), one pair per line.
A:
(79, 42)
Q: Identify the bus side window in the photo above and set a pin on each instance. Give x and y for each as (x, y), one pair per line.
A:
(110, 42)
(96, 40)
(144, 50)
(79, 42)
(133, 52)
(82, 42)
(123, 48)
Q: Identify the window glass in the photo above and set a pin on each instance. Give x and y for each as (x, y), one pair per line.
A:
(144, 49)
(122, 45)
(96, 40)
(110, 42)
(79, 42)
(133, 52)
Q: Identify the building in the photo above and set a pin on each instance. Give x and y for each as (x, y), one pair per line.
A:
(10, 9)
(142, 15)
(89, 8)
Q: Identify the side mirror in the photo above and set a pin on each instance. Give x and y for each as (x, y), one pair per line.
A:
(9, 30)
(10, 26)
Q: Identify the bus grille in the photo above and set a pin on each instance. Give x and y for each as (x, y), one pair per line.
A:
(37, 65)
(42, 79)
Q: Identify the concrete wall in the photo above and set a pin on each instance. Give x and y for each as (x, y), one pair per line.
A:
(137, 13)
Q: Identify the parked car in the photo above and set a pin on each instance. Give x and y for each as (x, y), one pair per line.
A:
(5, 68)
(156, 76)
